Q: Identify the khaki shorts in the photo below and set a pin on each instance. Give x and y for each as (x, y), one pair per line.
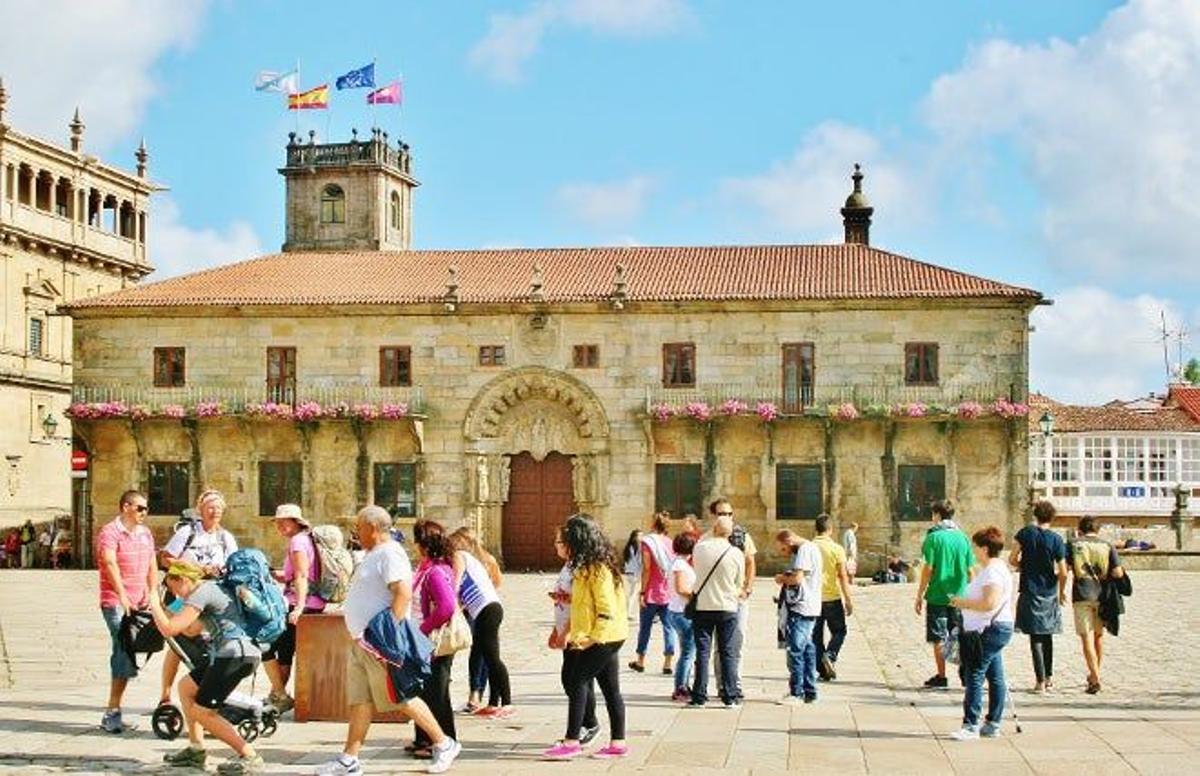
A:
(366, 681)
(1087, 617)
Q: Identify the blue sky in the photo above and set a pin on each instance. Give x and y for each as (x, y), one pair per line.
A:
(1044, 144)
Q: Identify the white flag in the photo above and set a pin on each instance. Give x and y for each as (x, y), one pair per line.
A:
(271, 81)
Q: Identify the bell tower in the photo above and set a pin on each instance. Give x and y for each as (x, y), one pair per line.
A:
(348, 196)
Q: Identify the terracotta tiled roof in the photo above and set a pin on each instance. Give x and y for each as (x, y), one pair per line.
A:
(750, 272)
(1186, 398)
(1108, 417)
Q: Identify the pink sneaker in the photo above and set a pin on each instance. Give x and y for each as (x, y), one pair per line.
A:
(610, 752)
(561, 751)
(503, 712)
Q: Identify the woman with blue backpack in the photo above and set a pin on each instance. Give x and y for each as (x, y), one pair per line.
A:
(233, 656)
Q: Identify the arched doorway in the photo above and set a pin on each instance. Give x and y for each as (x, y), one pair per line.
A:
(541, 495)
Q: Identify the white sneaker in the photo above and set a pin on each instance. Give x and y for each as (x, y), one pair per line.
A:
(790, 700)
(444, 756)
(339, 767)
(965, 734)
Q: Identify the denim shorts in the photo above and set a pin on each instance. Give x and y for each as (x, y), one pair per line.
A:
(120, 664)
(938, 622)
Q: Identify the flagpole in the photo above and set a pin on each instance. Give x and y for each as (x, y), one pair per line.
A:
(328, 111)
(374, 86)
(288, 97)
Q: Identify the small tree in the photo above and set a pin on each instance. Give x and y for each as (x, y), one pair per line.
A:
(1191, 372)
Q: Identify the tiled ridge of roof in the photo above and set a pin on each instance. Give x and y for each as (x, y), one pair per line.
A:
(1070, 418)
(743, 272)
(1187, 398)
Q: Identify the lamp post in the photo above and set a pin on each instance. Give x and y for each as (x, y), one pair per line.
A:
(1181, 521)
(1046, 425)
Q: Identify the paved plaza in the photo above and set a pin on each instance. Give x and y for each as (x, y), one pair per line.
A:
(53, 678)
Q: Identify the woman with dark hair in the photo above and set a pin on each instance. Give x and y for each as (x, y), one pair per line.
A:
(987, 611)
(433, 591)
(655, 588)
(1040, 555)
(683, 582)
(598, 628)
(631, 556)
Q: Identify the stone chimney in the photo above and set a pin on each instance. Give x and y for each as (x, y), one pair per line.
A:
(856, 215)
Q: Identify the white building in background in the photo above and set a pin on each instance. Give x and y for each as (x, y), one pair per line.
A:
(1120, 461)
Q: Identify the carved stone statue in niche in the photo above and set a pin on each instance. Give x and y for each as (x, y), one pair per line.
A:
(503, 476)
(541, 428)
(583, 480)
(482, 489)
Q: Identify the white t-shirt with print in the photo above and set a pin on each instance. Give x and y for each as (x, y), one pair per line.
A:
(369, 594)
(206, 549)
(997, 574)
(808, 560)
(678, 602)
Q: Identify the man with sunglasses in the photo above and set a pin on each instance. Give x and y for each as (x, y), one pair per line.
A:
(125, 551)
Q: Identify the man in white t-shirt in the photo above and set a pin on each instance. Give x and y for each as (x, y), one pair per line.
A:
(382, 581)
(203, 543)
(800, 605)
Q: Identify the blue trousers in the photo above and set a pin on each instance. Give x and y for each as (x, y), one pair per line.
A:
(687, 648)
(120, 665)
(990, 668)
(646, 617)
(801, 656)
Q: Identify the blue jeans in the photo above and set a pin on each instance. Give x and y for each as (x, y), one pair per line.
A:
(724, 626)
(991, 667)
(801, 656)
(120, 665)
(687, 648)
(646, 618)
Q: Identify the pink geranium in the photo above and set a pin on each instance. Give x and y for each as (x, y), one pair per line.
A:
(846, 412)
(364, 411)
(733, 407)
(208, 409)
(307, 411)
(1009, 409)
(766, 411)
(698, 411)
(662, 412)
(390, 411)
(969, 410)
(270, 409)
(175, 411)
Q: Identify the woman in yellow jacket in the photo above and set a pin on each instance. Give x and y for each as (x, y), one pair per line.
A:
(599, 626)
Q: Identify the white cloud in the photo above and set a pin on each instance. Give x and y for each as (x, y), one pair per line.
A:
(176, 249)
(513, 39)
(1107, 124)
(803, 194)
(58, 54)
(1093, 346)
(607, 205)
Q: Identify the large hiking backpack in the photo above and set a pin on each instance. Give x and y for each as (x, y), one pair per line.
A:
(248, 582)
(335, 564)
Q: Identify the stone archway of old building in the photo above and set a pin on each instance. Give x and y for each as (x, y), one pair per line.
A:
(536, 450)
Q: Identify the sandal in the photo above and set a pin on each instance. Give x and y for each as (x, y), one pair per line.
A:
(1092, 688)
(636, 666)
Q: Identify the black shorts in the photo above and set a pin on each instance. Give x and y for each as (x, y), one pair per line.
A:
(216, 681)
(284, 648)
(938, 622)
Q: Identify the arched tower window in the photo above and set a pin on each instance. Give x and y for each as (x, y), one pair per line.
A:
(396, 210)
(333, 205)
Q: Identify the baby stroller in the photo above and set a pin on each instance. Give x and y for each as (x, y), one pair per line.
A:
(251, 717)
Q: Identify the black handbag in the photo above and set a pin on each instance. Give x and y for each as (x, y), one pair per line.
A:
(689, 609)
(139, 635)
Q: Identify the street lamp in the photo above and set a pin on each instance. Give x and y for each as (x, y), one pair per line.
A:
(49, 425)
(1046, 423)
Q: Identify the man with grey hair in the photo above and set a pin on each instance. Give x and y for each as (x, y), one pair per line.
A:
(382, 581)
(720, 572)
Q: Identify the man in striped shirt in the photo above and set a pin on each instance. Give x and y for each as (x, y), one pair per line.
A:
(125, 555)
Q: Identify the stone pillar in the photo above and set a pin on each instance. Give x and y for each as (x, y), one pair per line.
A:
(887, 465)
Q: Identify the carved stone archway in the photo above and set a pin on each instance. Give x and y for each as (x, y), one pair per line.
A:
(539, 411)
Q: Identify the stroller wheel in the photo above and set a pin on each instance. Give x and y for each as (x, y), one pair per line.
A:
(269, 727)
(248, 729)
(167, 722)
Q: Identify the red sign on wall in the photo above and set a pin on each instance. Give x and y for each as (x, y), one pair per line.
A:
(79, 461)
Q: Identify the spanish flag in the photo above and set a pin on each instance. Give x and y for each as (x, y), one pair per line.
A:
(314, 99)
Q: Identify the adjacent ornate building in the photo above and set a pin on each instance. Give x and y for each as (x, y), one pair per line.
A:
(506, 388)
(71, 227)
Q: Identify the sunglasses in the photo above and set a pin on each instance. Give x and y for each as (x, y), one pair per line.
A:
(724, 514)
(142, 508)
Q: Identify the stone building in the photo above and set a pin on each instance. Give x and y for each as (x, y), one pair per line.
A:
(505, 388)
(71, 227)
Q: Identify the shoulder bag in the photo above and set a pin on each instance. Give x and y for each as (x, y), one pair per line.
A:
(689, 609)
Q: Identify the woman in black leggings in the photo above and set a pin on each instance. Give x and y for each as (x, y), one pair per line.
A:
(599, 626)
(1040, 555)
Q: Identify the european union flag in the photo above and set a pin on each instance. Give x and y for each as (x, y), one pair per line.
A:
(357, 79)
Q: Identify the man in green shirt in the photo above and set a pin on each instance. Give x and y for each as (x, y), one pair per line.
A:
(945, 574)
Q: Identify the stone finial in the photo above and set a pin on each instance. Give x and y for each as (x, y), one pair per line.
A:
(142, 156)
(3, 100)
(76, 126)
(291, 139)
(856, 215)
(451, 296)
(537, 284)
(620, 290)
(353, 134)
(312, 137)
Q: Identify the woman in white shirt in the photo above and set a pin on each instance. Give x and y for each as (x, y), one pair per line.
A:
(987, 610)
(683, 582)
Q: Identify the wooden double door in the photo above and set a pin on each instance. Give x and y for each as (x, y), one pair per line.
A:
(541, 496)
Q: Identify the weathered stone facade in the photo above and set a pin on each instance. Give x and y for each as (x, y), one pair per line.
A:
(71, 227)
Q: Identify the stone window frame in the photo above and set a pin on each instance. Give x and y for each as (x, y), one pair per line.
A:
(395, 366)
(586, 356)
(917, 508)
(282, 387)
(679, 364)
(176, 497)
(36, 342)
(493, 355)
(285, 494)
(816, 507)
(921, 365)
(678, 504)
(405, 469)
(333, 204)
(394, 210)
(170, 367)
(805, 392)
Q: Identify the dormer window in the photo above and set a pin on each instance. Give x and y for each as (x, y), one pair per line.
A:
(333, 205)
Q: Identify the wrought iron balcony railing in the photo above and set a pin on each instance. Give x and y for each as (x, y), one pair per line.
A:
(236, 398)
